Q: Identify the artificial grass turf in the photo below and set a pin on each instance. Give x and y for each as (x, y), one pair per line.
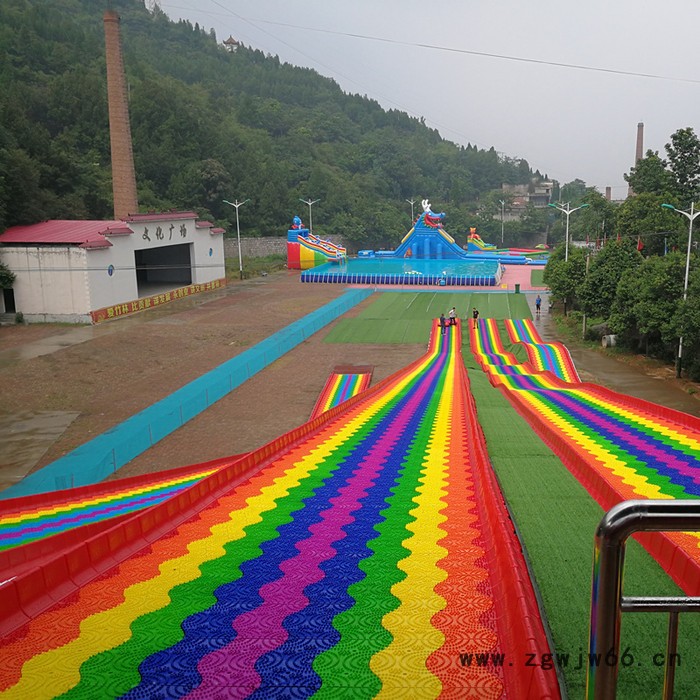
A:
(557, 518)
(405, 317)
(537, 277)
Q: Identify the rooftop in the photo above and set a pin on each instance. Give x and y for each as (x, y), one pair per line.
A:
(88, 234)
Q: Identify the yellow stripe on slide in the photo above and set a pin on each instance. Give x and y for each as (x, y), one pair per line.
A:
(410, 624)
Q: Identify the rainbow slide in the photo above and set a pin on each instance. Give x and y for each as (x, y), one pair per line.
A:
(305, 250)
(544, 357)
(36, 528)
(342, 384)
(619, 447)
(367, 553)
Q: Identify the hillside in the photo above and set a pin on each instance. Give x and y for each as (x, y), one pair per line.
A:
(209, 125)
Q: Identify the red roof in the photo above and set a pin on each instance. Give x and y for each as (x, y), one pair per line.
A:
(104, 243)
(122, 230)
(217, 230)
(62, 231)
(203, 224)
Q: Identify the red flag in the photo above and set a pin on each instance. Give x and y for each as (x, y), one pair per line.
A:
(618, 237)
(640, 245)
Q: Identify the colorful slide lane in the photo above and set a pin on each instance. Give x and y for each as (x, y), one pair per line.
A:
(544, 357)
(33, 528)
(619, 447)
(373, 557)
(343, 383)
(305, 250)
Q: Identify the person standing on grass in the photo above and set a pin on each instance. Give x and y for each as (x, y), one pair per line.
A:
(443, 322)
(475, 316)
(453, 316)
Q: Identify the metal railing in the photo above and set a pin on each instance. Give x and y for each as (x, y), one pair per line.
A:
(607, 601)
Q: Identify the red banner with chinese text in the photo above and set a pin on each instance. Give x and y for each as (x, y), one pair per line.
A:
(132, 307)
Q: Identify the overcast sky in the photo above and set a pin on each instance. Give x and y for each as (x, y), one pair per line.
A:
(482, 71)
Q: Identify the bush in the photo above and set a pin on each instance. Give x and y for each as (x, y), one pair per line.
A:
(255, 267)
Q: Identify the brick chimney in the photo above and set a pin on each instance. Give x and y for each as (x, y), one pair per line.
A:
(608, 193)
(640, 143)
(123, 173)
(639, 151)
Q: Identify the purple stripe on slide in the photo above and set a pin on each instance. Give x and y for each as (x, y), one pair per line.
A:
(648, 452)
(260, 630)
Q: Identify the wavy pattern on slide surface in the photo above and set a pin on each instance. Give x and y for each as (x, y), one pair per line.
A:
(544, 357)
(342, 384)
(352, 564)
(619, 447)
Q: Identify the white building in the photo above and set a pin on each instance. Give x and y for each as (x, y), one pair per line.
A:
(90, 271)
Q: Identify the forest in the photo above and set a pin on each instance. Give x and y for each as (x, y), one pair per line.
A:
(638, 277)
(209, 125)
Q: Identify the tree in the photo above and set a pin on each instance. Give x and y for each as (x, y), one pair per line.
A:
(533, 222)
(573, 191)
(642, 218)
(7, 277)
(684, 156)
(650, 175)
(687, 322)
(203, 185)
(645, 310)
(599, 289)
(565, 277)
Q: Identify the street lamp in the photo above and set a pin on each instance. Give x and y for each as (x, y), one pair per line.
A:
(411, 202)
(310, 202)
(691, 217)
(565, 208)
(238, 204)
(503, 207)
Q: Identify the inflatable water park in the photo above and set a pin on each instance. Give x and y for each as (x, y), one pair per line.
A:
(304, 250)
(367, 553)
(427, 255)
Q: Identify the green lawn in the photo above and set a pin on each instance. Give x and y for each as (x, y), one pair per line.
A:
(554, 514)
(404, 317)
(537, 277)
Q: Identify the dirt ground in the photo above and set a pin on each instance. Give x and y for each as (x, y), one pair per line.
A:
(119, 368)
(99, 376)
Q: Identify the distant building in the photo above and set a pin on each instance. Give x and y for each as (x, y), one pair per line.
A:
(92, 271)
(537, 193)
(231, 44)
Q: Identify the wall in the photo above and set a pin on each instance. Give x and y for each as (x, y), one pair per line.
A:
(207, 257)
(112, 274)
(208, 262)
(51, 282)
(269, 245)
(207, 253)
